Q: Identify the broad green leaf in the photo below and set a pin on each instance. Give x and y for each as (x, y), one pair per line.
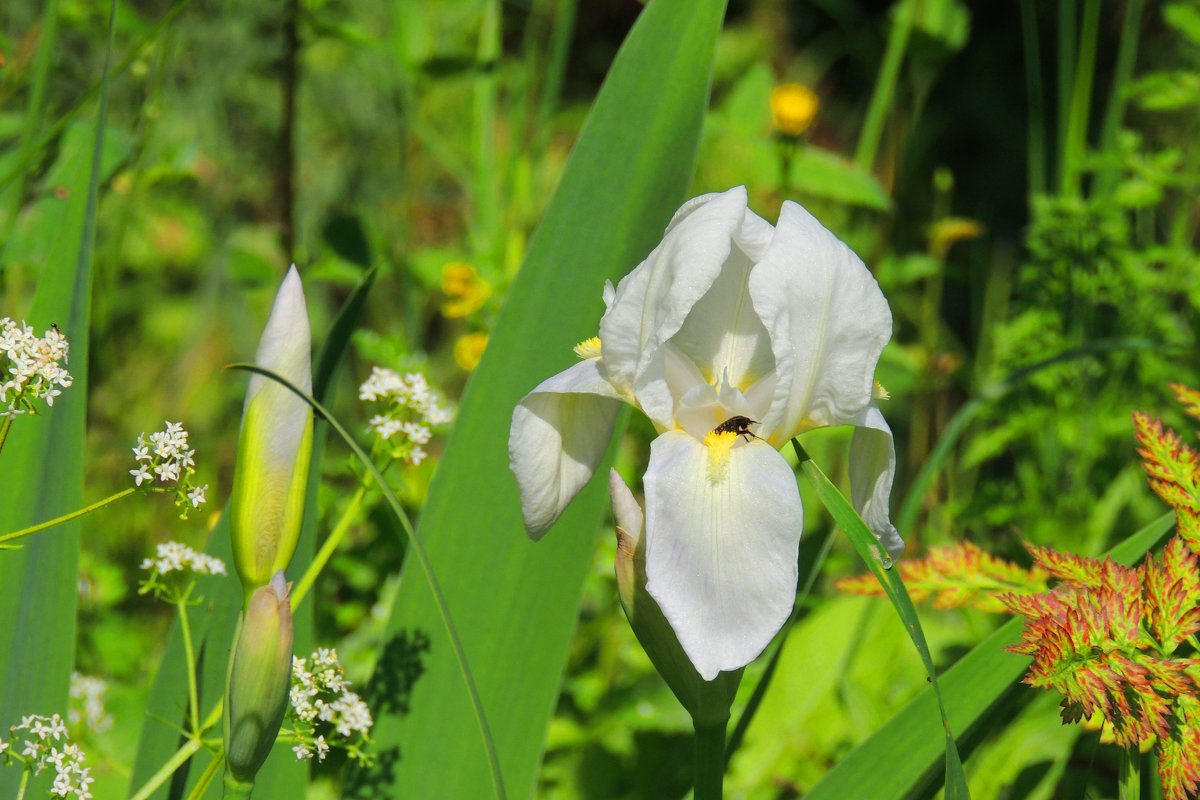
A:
(41, 465)
(516, 602)
(822, 173)
(904, 754)
(214, 621)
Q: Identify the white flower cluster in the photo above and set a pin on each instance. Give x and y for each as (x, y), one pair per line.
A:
(87, 704)
(409, 408)
(30, 368)
(40, 748)
(321, 700)
(167, 457)
(176, 557)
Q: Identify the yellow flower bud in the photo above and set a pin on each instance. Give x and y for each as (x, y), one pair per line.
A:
(259, 679)
(275, 444)
(793, 108)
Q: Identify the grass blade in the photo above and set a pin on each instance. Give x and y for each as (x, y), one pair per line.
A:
(893, 585)
(41, 469)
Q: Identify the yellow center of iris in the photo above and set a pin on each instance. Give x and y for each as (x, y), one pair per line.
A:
(719, 446)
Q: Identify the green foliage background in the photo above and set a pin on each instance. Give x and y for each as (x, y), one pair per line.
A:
(1035, 234)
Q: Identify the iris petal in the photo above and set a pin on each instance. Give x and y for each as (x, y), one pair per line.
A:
(559, 434)
(721, 555)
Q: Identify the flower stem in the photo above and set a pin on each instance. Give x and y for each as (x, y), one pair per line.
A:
(190, 661)
(189, 749)
(235, 789)
(50, 523)
(5, 424)
(214, 766)
(1129, 775)
(710, 761)
(24, 782)
(329, 547)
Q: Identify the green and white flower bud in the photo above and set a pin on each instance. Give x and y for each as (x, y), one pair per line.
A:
(275, 444)
(259, 678)
(708, 702)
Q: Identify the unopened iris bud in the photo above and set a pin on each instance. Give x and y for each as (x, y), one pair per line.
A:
(275, 444)
(708, 702)
(259, 679)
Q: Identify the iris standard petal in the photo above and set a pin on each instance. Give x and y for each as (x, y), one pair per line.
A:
(652, 301)
(872, 468)
(828, 322)
(721, 549)
(559, 434)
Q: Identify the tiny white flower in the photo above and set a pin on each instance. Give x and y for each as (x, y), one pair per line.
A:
(140, 474)
(196, 495)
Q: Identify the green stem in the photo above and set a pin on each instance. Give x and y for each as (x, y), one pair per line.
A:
(1036, 146)
(329, 547)
(235, 789)
(1081, 99)
(710, 761)
(1129, 775)
(210, 773)
(1122, 73)
(189, 749)
(5, 424)
(24, 783)
(885, 88)
(41, 526)
(189, 655)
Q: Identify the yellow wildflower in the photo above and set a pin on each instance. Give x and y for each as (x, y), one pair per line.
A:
(466, 290)
(793, 108)
(469, 349)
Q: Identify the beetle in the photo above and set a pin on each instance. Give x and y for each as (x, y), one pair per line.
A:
(739, 425)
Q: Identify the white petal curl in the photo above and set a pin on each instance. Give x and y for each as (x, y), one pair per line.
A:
(828, 322)
(652, 301)
(872, 469)
(721, 556)
(559, 434)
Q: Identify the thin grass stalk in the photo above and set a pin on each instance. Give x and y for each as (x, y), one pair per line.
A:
(59, 520)
(328, 547)
(1035, 100)
(35, 112)
(1081, 99)
(287, 135)
(556, 69)
(1131, 29)
(885, 88)
(485, 231)
(1065, 80)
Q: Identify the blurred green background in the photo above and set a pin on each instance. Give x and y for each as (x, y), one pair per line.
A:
(1021, 177)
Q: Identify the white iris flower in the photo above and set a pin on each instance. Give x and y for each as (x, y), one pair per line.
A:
(728, 317)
